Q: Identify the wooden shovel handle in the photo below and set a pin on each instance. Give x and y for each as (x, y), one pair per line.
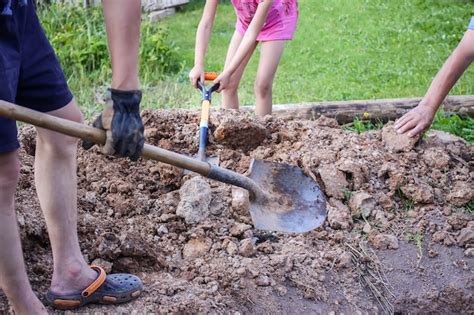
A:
(95, 135)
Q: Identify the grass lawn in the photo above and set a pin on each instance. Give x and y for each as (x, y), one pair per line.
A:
(343, 49)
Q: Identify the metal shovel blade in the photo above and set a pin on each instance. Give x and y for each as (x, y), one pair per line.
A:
(296, 202)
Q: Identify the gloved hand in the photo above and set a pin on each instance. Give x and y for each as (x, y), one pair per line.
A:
(122, 122)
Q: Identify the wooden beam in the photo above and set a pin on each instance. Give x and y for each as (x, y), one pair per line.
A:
(383, 109)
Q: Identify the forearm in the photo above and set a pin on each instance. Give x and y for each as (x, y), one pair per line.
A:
(204, 31)
(203, 36)
(122, 19)
(250, 36)
(450, 73)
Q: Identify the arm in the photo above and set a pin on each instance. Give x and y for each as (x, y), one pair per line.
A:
(121, 115)
(203, 35)
(420, 118)
(247, 42)
(122, 20)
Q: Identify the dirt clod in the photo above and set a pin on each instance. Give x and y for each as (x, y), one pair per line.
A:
(247, 249)
(339, 215)
(196, 248)
(334, 181)
(362, 204)
(462, 193)
(384, 241)
(396, 142)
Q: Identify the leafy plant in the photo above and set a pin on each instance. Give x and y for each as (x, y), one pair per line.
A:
(452, 123)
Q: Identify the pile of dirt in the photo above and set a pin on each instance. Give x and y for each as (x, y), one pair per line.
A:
(399, 235)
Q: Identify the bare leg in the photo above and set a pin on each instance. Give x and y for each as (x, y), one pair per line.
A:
(122, 19)
(270, 56)
(230, 96)
(13, 278)
(56, 185)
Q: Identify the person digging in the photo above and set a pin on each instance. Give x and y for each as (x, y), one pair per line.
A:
(30, 75)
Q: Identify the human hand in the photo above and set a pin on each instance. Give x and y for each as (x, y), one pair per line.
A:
(223, 80)
(416, 121)
(196, 75)
(122, 122)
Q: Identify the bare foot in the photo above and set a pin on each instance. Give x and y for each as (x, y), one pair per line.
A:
(28, 304)
(72, 278)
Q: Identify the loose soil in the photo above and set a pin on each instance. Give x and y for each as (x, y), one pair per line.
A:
(399, 235)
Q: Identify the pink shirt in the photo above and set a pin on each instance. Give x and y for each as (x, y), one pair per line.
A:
(280, 23)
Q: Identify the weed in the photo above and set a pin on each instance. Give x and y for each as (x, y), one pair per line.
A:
(417, 239)
(452, 123)
(360, 126)
(347, 194)
(406, 203)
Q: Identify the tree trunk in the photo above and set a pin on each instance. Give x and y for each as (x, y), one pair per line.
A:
(384, 110)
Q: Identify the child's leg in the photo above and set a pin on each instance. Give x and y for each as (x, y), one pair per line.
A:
(270, 55)
(230, 97)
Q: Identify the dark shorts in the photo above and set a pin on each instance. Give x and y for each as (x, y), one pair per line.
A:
(30, 74)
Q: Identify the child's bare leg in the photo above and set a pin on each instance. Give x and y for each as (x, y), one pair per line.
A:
(270, 55)
(230, 97)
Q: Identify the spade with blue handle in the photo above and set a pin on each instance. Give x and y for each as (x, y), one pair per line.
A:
(205, 112)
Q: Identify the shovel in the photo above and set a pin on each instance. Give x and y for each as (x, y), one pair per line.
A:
(282, 198)
(205, 111)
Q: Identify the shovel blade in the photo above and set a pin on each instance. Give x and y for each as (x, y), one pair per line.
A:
(297, 203)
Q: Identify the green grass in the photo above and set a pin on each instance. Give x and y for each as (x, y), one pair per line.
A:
(346, 49)
(343, 49)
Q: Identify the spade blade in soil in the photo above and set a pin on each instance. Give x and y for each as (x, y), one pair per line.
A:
(298, 204)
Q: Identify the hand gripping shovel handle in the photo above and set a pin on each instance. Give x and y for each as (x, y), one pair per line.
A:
(205, 111)
(98, 136)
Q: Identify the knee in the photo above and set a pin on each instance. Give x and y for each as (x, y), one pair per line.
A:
(9, 171)
(58, 143)
(263, 88)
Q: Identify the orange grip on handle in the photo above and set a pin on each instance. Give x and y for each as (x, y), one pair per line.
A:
(210, 76)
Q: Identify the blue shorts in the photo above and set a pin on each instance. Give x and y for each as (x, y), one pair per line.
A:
(471, 24)
(30, 74)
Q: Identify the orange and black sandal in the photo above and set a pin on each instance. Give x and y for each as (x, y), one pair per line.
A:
(106, 289)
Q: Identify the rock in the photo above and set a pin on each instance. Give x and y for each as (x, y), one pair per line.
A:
(436, 158)
(384, 241)
(419, 193)
(334, 181)
(195, 200)
(466, 236)
(461, 194)
(469, 252)
(240, 200)
(162, 229)
(362, 204)
(263, 281)
(196, 248)
(231, 248)
(106, 265)
(247, 249)
(239, 228)
(396, 142)
(339, 216)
